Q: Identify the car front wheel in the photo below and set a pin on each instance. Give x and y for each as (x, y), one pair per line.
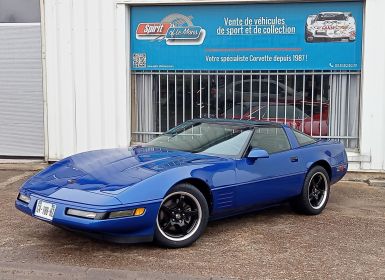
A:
(182, 217)
(315, 192)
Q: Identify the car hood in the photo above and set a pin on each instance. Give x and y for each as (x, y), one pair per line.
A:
(109, 171)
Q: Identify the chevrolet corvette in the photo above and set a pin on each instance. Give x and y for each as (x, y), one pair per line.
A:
(168, 189)
(330, 26)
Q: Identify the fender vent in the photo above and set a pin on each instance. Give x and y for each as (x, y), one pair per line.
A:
(225, 199)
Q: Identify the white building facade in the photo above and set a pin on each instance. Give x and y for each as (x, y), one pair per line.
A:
(95, 98)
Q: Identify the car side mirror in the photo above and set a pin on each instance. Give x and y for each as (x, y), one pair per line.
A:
(257, 153)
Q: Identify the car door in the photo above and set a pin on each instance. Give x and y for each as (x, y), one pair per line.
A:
(269, 180)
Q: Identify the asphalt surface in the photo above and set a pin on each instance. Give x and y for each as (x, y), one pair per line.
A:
(347, 241)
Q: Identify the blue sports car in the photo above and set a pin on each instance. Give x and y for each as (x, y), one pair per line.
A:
(167, 190)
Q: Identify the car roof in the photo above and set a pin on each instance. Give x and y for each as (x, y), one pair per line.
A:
(237, 122)
(331, 13)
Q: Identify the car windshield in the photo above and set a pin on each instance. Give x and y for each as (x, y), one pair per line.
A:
(284, 112)
(238, 110)
(222, 139)
(323, 17)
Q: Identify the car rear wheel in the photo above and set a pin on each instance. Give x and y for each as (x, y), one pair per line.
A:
(315, 192)
(182, 217)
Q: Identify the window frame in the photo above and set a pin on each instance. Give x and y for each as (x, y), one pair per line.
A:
(249, 148)
(300, 132)
(335, 96)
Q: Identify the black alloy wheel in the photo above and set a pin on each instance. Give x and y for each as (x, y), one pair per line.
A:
(315, 192)
(182, 217)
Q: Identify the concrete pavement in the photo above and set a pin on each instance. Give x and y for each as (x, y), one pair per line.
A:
(347, 241)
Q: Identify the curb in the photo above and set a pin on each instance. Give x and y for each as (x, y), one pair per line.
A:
(23, 166)
(376, 183)
(56, 272)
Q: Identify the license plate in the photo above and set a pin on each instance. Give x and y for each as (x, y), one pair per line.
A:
(45, 210)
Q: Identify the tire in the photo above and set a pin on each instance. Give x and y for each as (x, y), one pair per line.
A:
(182, 217)
(315, 192)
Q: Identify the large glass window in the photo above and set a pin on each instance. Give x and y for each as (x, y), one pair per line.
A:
(323, 104)
(19, 11)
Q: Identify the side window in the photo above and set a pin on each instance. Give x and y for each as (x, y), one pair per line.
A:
(259, 112)
(302, 138)
(273, 112)
(271, 139)
(291, 112)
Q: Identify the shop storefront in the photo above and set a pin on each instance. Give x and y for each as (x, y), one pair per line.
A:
(120, 73)
(294, 63)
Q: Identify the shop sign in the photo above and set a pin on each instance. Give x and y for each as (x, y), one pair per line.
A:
(281, 36)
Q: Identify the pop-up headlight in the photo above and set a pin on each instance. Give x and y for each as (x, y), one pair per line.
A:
(24, 198)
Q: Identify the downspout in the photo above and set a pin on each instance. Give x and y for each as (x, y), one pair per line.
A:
(44, 76)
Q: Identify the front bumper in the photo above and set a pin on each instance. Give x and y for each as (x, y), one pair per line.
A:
(331, 37)
(122, 230)
(314, 35)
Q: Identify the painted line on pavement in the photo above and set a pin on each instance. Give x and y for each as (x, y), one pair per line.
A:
(14, 179)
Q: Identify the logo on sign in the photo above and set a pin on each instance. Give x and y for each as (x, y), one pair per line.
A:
(175, 29)
(152, 30)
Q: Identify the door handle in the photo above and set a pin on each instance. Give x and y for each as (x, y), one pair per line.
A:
(294, 159)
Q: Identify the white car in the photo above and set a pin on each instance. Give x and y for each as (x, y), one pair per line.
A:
(330, 26)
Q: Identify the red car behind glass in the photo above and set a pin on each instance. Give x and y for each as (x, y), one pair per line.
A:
(297, 116)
